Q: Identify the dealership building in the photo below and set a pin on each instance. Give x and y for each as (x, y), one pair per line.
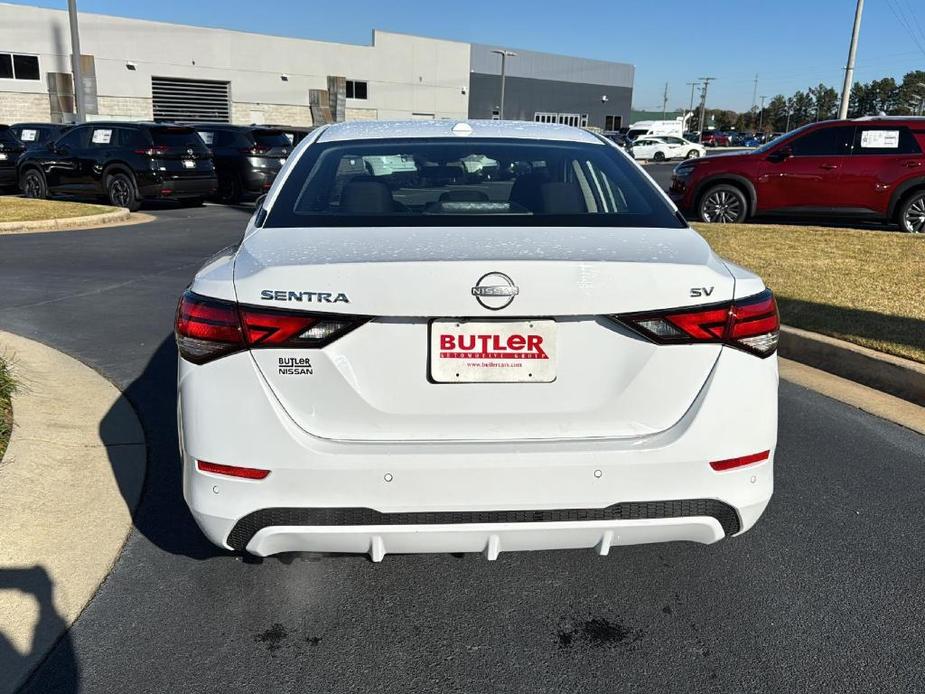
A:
(143, 70)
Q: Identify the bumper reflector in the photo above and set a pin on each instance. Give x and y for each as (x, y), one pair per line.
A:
(730, 463)
(249, 473)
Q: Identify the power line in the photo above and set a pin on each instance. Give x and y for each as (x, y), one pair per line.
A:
(904, 22)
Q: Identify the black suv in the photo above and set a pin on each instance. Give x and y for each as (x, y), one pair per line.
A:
(10, 150)
(247, 158)
(123, 162)
(37, 134)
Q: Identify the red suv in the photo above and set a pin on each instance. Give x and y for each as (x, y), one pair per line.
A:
(871, 168)
(715, 139)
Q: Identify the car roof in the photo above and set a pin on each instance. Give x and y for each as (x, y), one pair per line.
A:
(447, 128)
(230, 126)
(41, 124)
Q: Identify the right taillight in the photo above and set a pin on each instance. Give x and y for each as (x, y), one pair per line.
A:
(207, 328)
(751, 324)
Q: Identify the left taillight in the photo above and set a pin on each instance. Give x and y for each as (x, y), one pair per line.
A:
(207, 329)
(751, 324)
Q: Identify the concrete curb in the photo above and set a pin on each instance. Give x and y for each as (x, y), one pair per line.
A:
(69, 481)
(119, 215)
(900, 377)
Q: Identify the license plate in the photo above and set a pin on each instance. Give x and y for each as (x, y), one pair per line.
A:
(189, 164)
(493, 351)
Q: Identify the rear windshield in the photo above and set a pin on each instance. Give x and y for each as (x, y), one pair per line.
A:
(177, 137)
(468, 182)
(271, 138)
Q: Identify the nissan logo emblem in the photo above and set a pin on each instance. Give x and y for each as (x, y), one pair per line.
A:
(495, 291)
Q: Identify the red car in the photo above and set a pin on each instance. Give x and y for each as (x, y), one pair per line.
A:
(715, 139)
(871, 168)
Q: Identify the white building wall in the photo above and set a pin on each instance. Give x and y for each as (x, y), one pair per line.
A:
(405, 74)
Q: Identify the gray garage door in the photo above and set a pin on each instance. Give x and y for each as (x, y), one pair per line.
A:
(197, 100)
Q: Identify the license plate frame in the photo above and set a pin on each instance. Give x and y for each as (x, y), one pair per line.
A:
(492, 351)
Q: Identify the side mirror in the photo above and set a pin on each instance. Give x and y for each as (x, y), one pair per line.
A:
(780, 155)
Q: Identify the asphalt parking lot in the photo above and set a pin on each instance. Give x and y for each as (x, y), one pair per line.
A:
(825, 593)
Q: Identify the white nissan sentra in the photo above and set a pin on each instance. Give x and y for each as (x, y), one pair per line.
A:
(477, 336)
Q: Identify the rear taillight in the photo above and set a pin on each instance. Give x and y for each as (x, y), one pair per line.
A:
(207, 329)
(751, 324)
(154, 151)
(256, 150)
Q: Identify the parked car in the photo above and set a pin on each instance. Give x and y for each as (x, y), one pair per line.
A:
(866, 168)
(714, 138)
(753, 141)
(615, 136)
(295, 133)
(10, 150)
(247, 158)
(125, 163)
(37, 134)
(666, 147)
(519, 408)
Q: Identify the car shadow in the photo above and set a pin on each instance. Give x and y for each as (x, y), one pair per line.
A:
(161, 516)
(16, 666)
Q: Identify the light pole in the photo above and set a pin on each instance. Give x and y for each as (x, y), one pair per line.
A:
(703, 100)
(761, 114)
(79, 104)
(504, 56)
(849, 69)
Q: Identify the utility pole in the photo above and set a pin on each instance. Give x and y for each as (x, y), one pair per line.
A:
(79, 104)
(787, 129)
(505, 54)
(665, 102)
(703, 99)
(761, 113)
(849, 69)
(754, 93)
(692, 85)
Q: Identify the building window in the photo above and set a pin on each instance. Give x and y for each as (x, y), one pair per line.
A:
(19, 67)
(584, 120)
(356, 90)
(613, 122)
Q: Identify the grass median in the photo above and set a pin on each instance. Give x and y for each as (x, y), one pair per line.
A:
(6, 408)
(866, 287)
(13, 209)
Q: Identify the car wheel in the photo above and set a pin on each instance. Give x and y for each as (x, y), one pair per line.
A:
(658, 156)
(723, 204)
(33, 184)
(229, 190)
(912, 214)
(120, 189)
(191, 202)
(693, 154)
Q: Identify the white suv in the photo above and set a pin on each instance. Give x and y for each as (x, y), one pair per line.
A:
(535, 354)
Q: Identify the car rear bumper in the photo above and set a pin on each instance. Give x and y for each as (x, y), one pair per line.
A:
(258, 181)
(378, 498)
(180, 187)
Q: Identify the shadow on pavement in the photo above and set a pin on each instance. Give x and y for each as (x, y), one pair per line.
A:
(14, 665)
(835, 320)
(161, 516)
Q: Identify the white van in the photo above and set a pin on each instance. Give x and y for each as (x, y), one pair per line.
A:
(674, 128)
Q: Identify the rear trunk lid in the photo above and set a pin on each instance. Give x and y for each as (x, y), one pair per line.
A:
(180, 150)
(376, 382)
(270, 150)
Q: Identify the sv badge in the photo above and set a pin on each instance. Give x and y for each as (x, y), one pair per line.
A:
(701, 291)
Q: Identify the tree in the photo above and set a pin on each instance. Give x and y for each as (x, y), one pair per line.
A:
(802, 108)
(775, 115)
(909, 93)
(826, 102)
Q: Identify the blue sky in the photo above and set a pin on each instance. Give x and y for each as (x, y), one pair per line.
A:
(791, 44)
